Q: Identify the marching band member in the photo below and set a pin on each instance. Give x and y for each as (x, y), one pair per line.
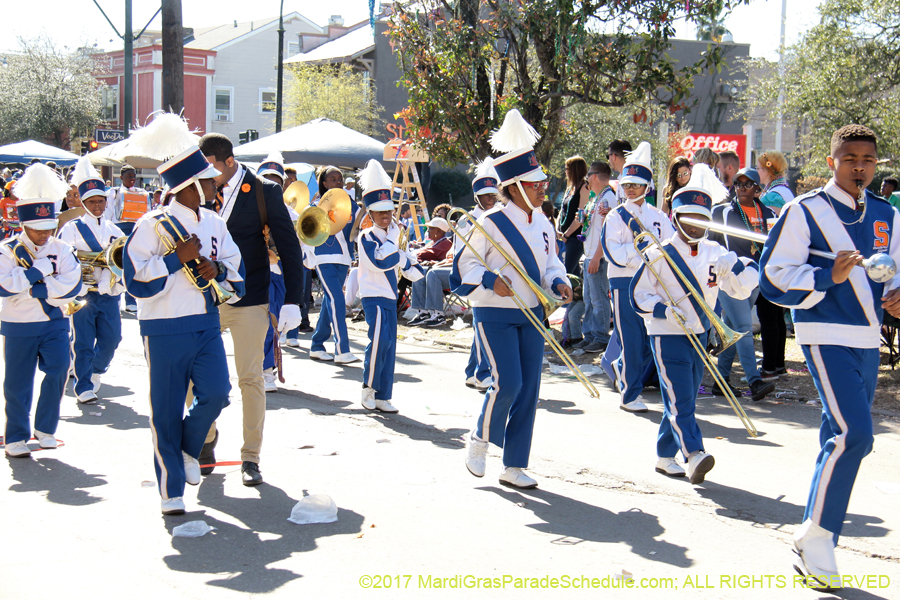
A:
(126, 204)
(332, 262)
(513, 346)
(97, 327)
(379, 260)
(617, 241)
(679, 366)
(837, 319)
(38, 274)
(179, 322)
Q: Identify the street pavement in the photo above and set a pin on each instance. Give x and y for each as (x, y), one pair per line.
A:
(83, 521)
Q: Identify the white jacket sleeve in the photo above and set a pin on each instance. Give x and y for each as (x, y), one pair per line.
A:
(743, 278)
(63, 287)
(147, 268)
(554, 270)
(647, 297)
(786, 278)
(617, 241)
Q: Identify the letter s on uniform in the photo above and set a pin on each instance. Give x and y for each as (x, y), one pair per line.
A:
(881, 234)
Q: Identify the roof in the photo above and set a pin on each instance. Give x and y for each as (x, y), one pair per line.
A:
(352, 44)
(215, 38)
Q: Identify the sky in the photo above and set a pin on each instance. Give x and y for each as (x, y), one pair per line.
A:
(75, 23)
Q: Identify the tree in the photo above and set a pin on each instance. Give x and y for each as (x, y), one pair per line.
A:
(711, 27)
(337, 92)
(48, 94)
(844, 70)
(466, 63)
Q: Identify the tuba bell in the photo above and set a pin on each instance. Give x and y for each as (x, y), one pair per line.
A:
(317, 223)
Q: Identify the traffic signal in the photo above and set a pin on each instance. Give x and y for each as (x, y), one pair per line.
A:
(94, 145)
(253, 134)
(243, 137)
(85, 147)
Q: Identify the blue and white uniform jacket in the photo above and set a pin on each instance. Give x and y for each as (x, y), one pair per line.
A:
(31, 300)
(93, 234)
(529, 238)
(336, 249)
(648, 296)
(168, 302)
(617, 239)
(464, 227)
(379, 261)
(848, 314)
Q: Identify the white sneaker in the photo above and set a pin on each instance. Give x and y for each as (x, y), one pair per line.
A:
(471, 382)
(476, 455)
(516, 477)
(88, 397)
(319, 355)
(18, 449)
(173, 506)
(132, 308)
(191, 469)
(95, 379)
(635, 406)
(816, 562)
(282, 339)
(385, 406)
(670, 467)
(47, 440)
(269, 380)
(293, 343)
(368, 398)
(699, 463)
(483, 385)
(345, 358)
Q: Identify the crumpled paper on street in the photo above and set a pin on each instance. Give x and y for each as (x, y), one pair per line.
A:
(192, 529)
(590, 370)
(318, 508)
(560, 370)
(459, 324)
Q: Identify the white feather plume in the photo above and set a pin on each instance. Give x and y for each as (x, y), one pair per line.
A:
(275, 157)
(40, 182)
(640, 155)
(703, 178)
(166, 136)
(514, 134)
(486, 169)
(374, 177)
(84, 170)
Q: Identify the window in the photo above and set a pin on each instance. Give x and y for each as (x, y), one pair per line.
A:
(224, 106)
(266, 100)
(293, 48)
(757, 142)
(109, 103)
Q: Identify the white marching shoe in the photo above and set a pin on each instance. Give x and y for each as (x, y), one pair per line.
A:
(18, 449)
(471, 382)
(385, 406)
(293, 343)
(670, 467)
(814, 546)
(368, 398)
(635, 406)
(47, 440)
(482, 386)
(269, 380)
(699, 463)
(516, 477)
(320, 355)
(173, 506)
(87, 397)
(95, 380)
(191, 469)
(346, 358)
(476, 455)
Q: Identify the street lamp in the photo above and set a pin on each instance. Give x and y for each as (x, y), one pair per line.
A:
(280, 67)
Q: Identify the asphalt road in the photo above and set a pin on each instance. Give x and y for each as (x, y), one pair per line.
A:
(83, 521)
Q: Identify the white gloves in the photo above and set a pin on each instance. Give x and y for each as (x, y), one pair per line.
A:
(45, 266)
(725, 263)
(289, 318)
(673, 313)
(103, 281)
(634, 261)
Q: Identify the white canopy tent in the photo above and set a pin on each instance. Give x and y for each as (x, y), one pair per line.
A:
(118, 154)
(24, 152)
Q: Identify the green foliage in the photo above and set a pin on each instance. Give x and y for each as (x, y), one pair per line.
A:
(447, 186)
(844, 70)
(336, 92)
(466, 63)
(711, 27)
(48, 94)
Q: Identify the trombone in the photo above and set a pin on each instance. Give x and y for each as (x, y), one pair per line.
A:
(220, 294)
(108, 258)
(726, 334)
(69, 309)
(548, 303)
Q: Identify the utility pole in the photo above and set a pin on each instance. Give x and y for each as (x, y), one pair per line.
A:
(280, 68)
(173, 56)
(128, 95)
(779, 125)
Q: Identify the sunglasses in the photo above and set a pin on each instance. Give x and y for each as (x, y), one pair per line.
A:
(684, 175)
(744, 185)
(538, 186)
(632, 186)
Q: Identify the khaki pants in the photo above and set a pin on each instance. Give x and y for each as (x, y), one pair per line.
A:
(248, 325)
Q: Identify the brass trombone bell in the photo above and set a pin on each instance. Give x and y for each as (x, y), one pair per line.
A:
(313, 227)
(110, 258)
(297, 196)
(338, 206)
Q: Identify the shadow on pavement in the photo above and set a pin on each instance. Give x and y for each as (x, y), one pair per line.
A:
(560, 407)
(63, 483)
(112, 414)
(575, 522)
(420, 432)
(240, 555)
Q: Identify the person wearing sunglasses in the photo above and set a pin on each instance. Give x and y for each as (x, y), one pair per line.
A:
(678, 173)
(743, 212)
(617, 241)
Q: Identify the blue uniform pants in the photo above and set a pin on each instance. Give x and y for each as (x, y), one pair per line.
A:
(96, 333)
(845, 378)
(333, 316)
(680, 373)
(175, 360)
(381, 352)
(276, 301)
(636, 355)
(48, 352)
(478, 363)
(738, 316)
(515, 350)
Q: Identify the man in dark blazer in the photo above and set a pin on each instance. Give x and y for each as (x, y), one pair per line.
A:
(248, 318)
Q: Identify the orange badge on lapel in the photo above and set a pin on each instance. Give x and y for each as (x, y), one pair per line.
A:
(245, 188)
